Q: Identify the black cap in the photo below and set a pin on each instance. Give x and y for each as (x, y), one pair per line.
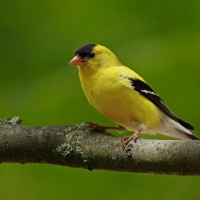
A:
(86, 51)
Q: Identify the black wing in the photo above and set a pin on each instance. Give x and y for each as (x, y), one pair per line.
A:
(147, 92)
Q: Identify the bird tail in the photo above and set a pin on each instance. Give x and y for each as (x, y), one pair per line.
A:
(186, 125)
(178, 129)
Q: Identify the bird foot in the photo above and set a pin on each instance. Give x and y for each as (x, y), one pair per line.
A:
(102, 128)
(125, 140)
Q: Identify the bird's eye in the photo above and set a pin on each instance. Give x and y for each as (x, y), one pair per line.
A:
(91, 55)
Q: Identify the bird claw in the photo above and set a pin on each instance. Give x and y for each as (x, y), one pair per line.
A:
(96, 126)
(125, 140)
(101, 128)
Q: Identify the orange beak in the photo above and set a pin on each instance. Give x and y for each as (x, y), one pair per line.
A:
(76, 61)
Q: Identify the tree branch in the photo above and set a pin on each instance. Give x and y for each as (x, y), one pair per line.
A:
(80, 146)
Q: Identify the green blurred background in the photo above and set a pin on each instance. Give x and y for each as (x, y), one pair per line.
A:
(158, 39)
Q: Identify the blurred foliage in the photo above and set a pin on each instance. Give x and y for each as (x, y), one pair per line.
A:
(159, 39)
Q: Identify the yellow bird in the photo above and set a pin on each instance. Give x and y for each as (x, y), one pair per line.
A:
(124, 97)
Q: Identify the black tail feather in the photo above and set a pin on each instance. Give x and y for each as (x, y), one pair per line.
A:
(186, 125)
(193, 137)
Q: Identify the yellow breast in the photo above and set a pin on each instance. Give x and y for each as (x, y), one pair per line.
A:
(113, 96)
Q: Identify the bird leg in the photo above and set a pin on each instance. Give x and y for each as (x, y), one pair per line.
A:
(121, 129)
(125, 140)
(102, 128)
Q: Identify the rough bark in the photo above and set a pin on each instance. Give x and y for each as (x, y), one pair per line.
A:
(80, 146)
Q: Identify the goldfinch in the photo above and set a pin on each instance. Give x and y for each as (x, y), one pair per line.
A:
(124, 97)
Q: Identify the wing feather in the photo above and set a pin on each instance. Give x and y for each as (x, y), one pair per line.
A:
(149, 93)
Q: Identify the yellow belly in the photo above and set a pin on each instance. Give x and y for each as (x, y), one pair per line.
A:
(115, 98)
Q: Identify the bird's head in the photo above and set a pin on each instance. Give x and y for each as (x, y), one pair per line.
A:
(94, 57)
